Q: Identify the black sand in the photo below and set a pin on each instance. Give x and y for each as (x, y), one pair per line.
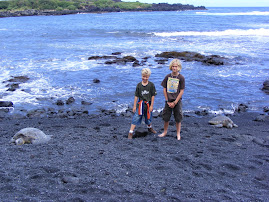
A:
(91, 159)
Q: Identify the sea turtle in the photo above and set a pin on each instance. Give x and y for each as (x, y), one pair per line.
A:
(30, 136)
(222, 121)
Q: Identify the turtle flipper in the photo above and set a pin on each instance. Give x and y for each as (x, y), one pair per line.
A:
(219, 125)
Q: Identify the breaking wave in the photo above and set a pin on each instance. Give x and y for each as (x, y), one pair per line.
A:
(229, 32)
(236, 13)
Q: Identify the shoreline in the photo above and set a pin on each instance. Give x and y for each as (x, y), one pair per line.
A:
(90, 158)
(33, 12)
(71, 112)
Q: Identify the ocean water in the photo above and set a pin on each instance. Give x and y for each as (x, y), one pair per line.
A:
(53, 52)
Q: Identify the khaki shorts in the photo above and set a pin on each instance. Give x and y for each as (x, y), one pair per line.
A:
(177, 111)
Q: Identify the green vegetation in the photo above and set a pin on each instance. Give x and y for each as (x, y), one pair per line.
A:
(68, 4)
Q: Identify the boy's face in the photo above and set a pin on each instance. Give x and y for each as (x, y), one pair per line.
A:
(145, 78)
(175, 68)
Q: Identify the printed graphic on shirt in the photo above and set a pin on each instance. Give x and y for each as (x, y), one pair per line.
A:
(172, 85)
(145, 92)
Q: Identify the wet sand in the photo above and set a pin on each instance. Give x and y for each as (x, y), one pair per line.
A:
(90, 159)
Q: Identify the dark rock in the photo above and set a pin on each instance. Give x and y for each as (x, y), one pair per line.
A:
(97, 128)
(102, 57)
(85, 112)
(19, 79)
(15, 81)
(161, 61)
(70, 100)
(116, 53)
(242, 108)
(62, 114)
(96, 81)
(213, 60)
(146, 58)
(110, 62)
(265, 87)
(266, 109)
(201, 113)
(36, 113)
(86, 103)
(59, 103)
(108, 112)
(129, 59)
(140, 132)
(122, 61)
(70, 113)
(260, 118)
(6, 104)
(94, 57)
(13, 86)
(193, 56)
(181, 55)
(3, 112)
(51, 112)
(136, 63)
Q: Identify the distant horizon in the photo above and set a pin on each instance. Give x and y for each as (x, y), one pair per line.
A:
(211, 3)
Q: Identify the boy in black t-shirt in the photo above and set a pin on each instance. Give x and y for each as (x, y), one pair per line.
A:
(173, 89)
(143, 102)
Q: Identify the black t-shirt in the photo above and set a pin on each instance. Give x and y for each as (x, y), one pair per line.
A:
(145, 92)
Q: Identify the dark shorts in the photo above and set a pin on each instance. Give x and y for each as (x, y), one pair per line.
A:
(177, 111)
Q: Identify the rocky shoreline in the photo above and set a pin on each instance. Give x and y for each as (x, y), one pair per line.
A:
(93, 9)
(64, 108)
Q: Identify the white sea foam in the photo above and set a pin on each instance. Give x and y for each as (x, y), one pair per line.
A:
(236, 13)
(229, 32)
(224, 111)
(18, 97)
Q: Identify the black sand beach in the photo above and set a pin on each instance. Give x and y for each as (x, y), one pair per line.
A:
(90, 159)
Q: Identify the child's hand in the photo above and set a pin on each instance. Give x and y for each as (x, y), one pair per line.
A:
(151, 108)
(171, 104)
(134, 109)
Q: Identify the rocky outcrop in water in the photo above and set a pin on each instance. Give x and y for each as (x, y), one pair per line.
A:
(193, 56)
(163, 57)
(113, 59)
(6, 104)
(15, 81)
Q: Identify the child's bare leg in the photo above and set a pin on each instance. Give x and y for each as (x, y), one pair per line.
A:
(131, 131)
(178, 125)
(166, 124)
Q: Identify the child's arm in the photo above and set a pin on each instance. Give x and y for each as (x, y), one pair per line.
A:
(178, 97)
(135, 102)
(152, 103)
(170, 104)
(165, 94)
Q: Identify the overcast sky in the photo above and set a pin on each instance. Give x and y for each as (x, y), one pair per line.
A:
(213, 3)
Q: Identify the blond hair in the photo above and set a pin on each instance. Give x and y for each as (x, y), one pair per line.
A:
(176, 62)
(146, 71)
